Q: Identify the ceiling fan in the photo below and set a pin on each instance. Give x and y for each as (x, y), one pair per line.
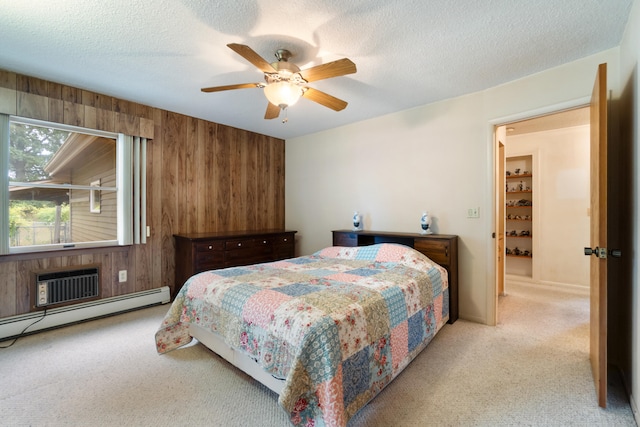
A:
(285, 83)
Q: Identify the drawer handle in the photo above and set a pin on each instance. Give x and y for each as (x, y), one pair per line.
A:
(264, 241)
(210, 247)
(239, 244)
(285, 239)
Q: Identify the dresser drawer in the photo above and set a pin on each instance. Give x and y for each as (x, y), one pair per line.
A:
(211, 264)
(264, 248)
(208, 259)
(214, 245)
(238, 244)
(246, 257)
(284, 251)
(286, 240)
(207, 256)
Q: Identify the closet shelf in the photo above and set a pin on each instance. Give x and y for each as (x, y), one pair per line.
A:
(519, 207)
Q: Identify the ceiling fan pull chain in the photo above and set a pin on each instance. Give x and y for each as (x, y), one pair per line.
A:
(286, 116)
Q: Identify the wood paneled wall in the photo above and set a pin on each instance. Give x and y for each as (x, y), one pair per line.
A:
(201, 176)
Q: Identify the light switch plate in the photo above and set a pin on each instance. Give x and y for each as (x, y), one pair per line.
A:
(473, 213)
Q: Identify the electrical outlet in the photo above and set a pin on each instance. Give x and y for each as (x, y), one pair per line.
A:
(122, 276)
(473, 213)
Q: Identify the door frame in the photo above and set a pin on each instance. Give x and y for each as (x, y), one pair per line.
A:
(501, 181)
(492, 154)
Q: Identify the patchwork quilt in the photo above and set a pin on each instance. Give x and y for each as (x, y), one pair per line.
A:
(337, 325)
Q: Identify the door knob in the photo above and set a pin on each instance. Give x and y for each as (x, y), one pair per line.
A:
(599, 252)
(616, 253)
(602, 252)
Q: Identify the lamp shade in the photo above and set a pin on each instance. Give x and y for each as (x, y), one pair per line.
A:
(283, 94)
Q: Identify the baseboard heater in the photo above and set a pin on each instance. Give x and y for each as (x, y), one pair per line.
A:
(13, 326)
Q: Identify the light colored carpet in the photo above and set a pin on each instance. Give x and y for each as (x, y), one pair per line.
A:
(530, 370)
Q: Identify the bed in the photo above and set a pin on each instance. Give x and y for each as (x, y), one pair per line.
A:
(327, 332)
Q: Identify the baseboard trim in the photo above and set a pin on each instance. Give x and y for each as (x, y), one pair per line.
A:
(552, 286)
(634, 409)
(11, 327)
(474, 319)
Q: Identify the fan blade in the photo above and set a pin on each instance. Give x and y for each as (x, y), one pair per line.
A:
(328, 70)
(273, 111)
(324, 99)
(230, 87)
(250, 55)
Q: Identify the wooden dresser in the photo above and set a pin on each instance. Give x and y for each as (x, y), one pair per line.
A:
(197, 252)
(441, 248)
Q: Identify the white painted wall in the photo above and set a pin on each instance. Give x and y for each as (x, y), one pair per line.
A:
(629, 56)
(561, 189)
(437, 157)
(440, 157)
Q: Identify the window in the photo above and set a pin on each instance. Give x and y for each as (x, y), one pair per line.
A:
(64, 187)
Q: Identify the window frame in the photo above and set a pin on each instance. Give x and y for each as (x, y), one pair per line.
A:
(123, 188)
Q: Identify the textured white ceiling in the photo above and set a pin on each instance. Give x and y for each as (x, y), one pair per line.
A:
(408, 52)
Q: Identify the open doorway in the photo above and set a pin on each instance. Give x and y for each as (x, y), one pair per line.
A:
(542, 199)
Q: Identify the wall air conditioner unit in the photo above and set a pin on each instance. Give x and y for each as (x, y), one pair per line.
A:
(60, 287)
(53, 317)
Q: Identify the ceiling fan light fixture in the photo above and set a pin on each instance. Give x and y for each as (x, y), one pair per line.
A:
(283, 93)
(284, 82)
